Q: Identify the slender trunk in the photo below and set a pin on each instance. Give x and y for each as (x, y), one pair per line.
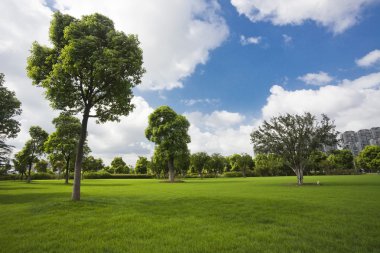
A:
(67, 170)
(171, 169)
(29, 169)
(243, 172)
(78, 161)
(300, 176)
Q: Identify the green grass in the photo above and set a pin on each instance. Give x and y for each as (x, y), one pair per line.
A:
(209, 215)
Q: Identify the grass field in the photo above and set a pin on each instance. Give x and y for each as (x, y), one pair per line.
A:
(210, 215)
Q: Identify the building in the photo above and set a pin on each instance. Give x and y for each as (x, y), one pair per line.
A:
(357, 141)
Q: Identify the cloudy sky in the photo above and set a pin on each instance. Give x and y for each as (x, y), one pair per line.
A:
(225, 65)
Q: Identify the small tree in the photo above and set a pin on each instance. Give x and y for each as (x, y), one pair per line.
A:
(91, 163)
(63, 142)
(294, 138)
(41, 166)
(169, 131)
(34, 147)
(9, 127)
(268, 165)
(118, 165)
(142, 165)
(216, 164)
(91, 69)
(341, 159)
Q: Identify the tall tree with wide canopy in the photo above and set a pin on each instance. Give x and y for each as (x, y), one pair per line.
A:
(63, 142)
(169, 131)
(9, 127)
(294, 137)
(91, 69)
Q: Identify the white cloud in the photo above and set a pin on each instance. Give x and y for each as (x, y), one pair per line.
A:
(353, 104)
(207, 101)
(249, 40)
(321, 78)
(337, 15)
(175, 36)
(219, 132)
(369, 59)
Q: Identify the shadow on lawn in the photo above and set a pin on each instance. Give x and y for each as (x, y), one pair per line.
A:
(32, 197)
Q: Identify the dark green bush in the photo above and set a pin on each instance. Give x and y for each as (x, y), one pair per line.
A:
(233, 174)
(107, 175)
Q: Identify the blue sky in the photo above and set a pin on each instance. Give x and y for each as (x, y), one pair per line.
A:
(225, 65)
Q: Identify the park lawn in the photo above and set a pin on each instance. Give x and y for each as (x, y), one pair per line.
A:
(209, 215)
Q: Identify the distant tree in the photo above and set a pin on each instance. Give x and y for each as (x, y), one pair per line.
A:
(245, 163)
(215, 164)
(91, 163)
(118, 166)
(369, 158)
(63, 142)
(9, 127)
(198, 162)
(168, 131)
(268, 164)
(20, 162)
(41, 165)
(317, 162)
(341, 159)
(233, 160)
(34, 147)
(294, 138)
(142, 165)
(91, 69)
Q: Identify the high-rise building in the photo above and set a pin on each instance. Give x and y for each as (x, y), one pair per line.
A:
(357, 141)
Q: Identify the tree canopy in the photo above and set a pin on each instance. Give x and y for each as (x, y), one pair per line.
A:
(10, 107)
(169, 131)
(369, 158)
(91, 69)
(294, 138)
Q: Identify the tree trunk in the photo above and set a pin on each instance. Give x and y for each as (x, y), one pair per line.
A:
(300, 176)
(67, 170)
(29, 169)
(171, 169)
(243, 172)
(79, 158)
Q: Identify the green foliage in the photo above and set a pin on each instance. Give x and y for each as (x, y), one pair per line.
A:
(369, 158)
(294, 138)
(198, 162)
(341, 159)
(118, 166)
(107, 175)
(142, 165)
(10, 107)
(233, 174)
(91, 163)
(268, 165)
(41, 166)
(216, 164)
(168, 131)
(245, 163)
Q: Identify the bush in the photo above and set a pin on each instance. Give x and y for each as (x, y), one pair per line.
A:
(233, 174)
(107, 175)
(43, 176)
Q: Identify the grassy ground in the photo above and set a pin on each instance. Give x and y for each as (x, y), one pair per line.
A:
(210, 215)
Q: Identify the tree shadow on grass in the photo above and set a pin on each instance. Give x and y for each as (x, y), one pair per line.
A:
(32, 197)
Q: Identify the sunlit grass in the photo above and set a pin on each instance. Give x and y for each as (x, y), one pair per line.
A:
(209, 215)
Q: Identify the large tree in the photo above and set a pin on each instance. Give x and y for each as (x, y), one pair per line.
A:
(34, 147)
(294, 138)
(63, 142)
(9, 127)
(169, 131)
(91, 69)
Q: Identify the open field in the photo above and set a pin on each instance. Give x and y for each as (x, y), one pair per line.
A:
(210, 215)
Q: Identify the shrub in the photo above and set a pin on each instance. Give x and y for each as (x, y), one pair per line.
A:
(107, 175)
(233, 174)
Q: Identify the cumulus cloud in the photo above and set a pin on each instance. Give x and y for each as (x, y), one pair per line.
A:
(369, 59)
(337, 15)
(219, 132)
(353, 104)
(249, 40)
(175, 36)
(321, 78)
